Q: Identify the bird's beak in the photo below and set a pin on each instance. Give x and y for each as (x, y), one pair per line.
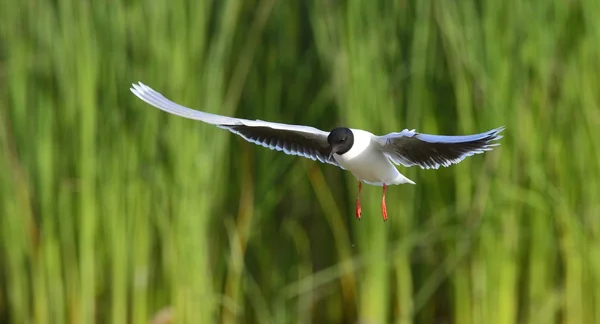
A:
(333, 150)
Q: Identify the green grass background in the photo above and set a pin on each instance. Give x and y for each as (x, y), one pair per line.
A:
(112, 211)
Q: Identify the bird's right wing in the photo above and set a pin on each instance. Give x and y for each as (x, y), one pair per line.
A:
(297, 140)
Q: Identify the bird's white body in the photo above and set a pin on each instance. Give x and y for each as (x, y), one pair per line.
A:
(367, 162)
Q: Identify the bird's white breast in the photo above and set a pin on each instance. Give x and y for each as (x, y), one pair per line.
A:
(362, 144)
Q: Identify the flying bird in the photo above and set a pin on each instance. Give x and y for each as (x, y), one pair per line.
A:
(370, 158)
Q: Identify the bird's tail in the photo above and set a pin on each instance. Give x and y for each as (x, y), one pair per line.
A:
(402, 179)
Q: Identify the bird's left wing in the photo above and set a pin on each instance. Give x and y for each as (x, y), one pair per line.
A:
(297, 140)
(430, 151)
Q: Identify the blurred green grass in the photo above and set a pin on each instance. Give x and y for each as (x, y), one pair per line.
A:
(112, 211)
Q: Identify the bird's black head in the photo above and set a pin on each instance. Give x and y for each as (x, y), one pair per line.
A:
(340, 140)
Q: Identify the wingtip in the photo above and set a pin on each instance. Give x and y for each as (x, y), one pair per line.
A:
(134, 86)
(138, 85)
(499, 130)
(139, 89)
(495, 135)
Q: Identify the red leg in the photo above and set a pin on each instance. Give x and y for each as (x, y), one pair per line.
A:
(358, 208)
(383, 207)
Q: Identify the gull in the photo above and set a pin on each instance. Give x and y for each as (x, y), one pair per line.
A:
(370, 158)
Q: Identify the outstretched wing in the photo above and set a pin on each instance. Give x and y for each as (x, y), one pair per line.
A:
(430, 151)
(297, 140)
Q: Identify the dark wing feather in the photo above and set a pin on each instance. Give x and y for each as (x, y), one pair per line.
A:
(290, 142)
(432, 151)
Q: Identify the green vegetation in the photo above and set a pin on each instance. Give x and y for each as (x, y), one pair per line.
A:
(112, 211)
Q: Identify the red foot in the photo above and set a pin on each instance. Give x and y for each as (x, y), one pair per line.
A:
(383, 206)
(358, 208)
